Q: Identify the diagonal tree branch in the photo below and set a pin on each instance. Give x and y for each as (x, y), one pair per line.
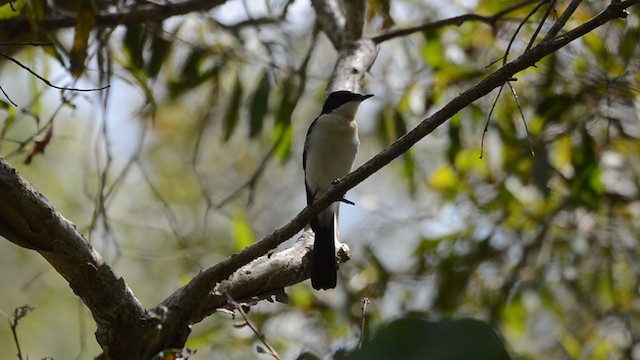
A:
(32, 220)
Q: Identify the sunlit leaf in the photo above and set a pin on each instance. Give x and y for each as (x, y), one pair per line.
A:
(11, 117)
(85, 20)
(232, 117)
(432, 51)
(259, 105)
(443, 179)
(11, 9)
(243, 234)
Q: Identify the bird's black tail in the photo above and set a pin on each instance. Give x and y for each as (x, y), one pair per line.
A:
(323, 260)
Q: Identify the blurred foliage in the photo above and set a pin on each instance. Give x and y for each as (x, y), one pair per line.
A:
(170, 170)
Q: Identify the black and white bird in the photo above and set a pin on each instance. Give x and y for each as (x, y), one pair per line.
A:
(330, 149)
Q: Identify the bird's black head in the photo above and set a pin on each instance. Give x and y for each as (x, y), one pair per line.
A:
(339, 98)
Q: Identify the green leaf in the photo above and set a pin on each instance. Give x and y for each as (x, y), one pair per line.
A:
(232, 116)
(283, 132)
(627, 47)
(134, 40)
(432, 52)
(38, 9)
(283, 139)
(160, 49)
(308, 356)
(85, 20)
(11, 117)
(243, 235)
(542, 169)
(586, 186)
(259, 105)
(286, 105)
(9, 12)
(192, 75)
(414, 338)
(454, 137)
(409, 165)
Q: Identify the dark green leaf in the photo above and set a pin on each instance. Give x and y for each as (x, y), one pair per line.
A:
(409, 166)
(38, 9)
(586, 186)
(160, 49)
(308, 356)
(85, 20)
(11, 117)
(259, 105)
(287, 104)
(454, 138)
(283, 132)
(192, 75)
(412, 338)
(134, 41)
(542, 169)
(232, 116)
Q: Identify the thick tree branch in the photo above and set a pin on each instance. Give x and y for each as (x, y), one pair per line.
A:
(354, 27)
(331, 19)
(138, 14)
(33, 222)
(269, 274)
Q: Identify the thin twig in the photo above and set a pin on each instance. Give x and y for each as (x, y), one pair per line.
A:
(456, 20)
(8, 98)
(47, 81)
(26, 43)
(524, 121)
(524, 21)
(365, 303)
(18, 313)
(541, 24)
(263, 339)
(486, 125)
(562, 20)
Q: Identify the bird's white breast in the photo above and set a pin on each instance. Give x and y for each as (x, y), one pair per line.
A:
(331, 151)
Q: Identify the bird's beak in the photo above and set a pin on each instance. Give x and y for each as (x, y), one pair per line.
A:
(365, 97)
